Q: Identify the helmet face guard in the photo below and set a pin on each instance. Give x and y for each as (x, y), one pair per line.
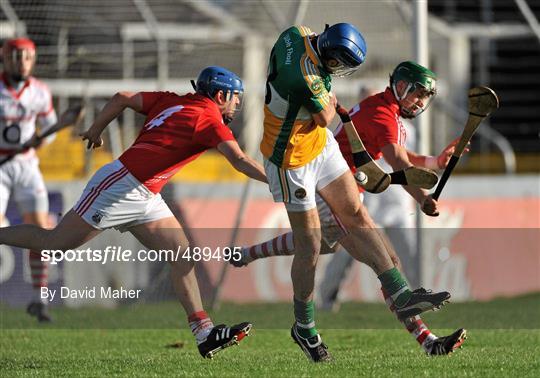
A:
(414, 109)
(213, 79)
(337, 64)
(16, 56)
(421, 82)
(342, 49)
(14, 53)
(230, 95)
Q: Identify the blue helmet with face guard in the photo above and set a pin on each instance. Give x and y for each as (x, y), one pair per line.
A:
(213, 79)
(342, 49)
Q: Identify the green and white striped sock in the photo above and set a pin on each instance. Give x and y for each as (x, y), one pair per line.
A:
(304, 314)
(395, 285)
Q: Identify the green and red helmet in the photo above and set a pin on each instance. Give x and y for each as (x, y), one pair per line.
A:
(416, 76)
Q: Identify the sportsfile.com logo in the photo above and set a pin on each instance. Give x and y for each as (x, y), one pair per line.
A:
(119, 254)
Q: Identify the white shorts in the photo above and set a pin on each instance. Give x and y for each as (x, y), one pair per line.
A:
(331, 227)
(297, 187)
(22, 177)
(115, 198)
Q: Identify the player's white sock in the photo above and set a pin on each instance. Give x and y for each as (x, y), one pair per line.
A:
(282, 245)
(201, 325)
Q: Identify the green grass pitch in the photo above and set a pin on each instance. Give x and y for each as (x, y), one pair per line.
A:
(365, 340)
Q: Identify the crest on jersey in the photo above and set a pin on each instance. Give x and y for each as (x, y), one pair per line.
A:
(317, 87)
(12, 134)
(300, 193)
(97, 217)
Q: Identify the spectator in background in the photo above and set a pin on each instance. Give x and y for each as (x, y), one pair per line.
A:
(23, 101)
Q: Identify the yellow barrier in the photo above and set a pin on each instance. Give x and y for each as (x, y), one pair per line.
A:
(63, 160)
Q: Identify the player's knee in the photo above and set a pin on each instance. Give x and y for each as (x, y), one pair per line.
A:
(55, 240)
(357, 218)
(180, 257)
(57, 244)
(308, 244)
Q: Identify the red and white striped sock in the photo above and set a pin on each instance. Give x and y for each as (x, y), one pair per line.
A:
(282, 245)
(201, 325)
(421, 333)
(414, 325)
(39, 275)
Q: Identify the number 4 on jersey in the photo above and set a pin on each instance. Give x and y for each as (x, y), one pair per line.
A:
(161, 117)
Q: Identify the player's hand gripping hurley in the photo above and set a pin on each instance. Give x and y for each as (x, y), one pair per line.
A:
(370, 175)
(482, 101)
(70, 117)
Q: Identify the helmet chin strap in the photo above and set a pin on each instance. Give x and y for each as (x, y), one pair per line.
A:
(404, 114)
(227, 119)
(408, 113)
(17, 79)
(398, 97)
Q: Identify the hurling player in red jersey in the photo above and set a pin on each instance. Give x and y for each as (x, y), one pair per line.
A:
(378, 122)
(125, 195)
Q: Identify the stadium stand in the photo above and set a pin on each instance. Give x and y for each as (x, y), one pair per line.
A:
(86, 43)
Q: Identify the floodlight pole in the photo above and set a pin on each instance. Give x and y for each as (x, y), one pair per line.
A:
(421, 56)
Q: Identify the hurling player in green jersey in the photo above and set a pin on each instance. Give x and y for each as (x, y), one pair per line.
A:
(302, 159)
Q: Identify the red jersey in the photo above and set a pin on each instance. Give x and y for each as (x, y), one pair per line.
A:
(176, 131)
(377, 120)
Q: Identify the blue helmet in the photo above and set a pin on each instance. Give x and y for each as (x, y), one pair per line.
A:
(342, 49)
(213, 79)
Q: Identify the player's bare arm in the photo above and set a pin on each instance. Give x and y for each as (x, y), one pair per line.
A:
(434, 162)
(397, 156)
(325, 116)
(110, 111)
(241, 162)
